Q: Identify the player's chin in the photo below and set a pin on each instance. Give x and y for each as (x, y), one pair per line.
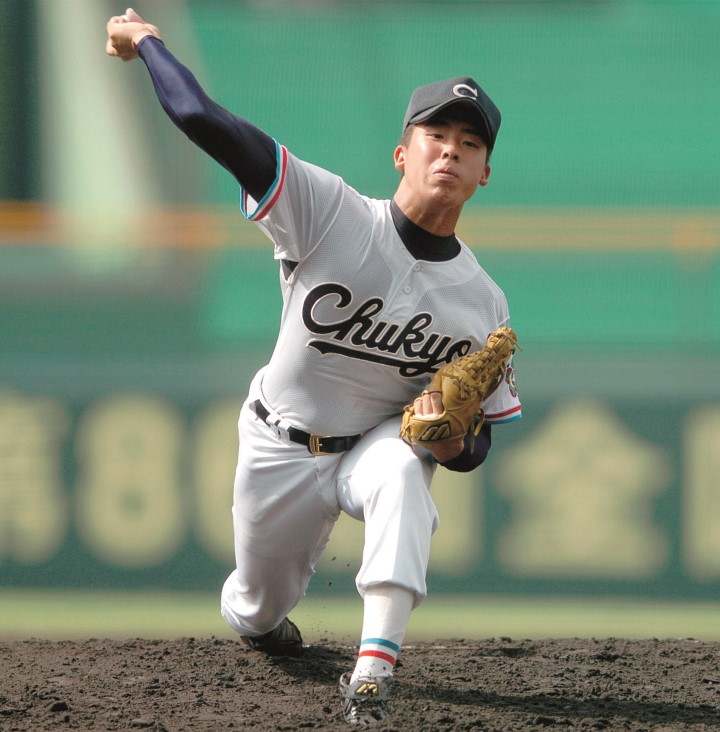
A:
(451, 190)
(443, 190)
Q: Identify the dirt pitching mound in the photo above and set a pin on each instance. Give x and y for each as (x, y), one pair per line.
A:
(496, 684)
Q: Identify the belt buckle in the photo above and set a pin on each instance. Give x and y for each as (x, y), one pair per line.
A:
(315, 445)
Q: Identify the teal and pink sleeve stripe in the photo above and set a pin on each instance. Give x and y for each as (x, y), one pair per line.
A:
(379, 648)
(268, 200)
(509, 415)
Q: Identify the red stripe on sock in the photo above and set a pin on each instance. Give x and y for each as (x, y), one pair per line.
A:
(378, 654)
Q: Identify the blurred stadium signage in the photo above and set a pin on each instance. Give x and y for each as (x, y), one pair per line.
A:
(134, 490)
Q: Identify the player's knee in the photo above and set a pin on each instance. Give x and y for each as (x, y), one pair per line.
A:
(246, 622)
(248, 613)
(397, 456)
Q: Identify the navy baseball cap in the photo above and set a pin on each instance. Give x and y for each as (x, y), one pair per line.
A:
(428, 100)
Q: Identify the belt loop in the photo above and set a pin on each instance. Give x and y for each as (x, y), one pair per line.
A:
(273, 421)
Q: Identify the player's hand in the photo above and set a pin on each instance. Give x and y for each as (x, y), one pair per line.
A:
(125, 32)
(429, 405)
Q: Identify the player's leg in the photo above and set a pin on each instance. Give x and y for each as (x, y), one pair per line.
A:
(282, 519)
(384, 483)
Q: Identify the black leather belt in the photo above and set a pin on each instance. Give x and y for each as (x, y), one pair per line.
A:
(316, 444)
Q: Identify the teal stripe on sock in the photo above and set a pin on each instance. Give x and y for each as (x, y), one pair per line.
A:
(380, 642)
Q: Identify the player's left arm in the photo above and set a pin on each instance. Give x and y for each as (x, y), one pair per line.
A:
(475, 449)
(461, 455)
(464, 454)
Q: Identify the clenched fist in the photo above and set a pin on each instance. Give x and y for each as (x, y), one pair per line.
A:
(125, 32)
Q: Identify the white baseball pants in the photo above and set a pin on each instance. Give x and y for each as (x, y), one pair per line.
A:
(286, 502)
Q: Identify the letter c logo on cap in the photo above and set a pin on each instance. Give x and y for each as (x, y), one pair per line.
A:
(463, 90)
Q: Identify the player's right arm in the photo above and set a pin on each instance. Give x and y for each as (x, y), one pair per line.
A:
(292, 201)
(247, 152)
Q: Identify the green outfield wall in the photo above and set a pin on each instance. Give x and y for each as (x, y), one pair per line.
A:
(605, 102)
(610, 102)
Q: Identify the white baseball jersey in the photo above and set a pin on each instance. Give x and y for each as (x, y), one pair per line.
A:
(364, 323)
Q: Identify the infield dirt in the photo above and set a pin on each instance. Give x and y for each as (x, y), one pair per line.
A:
(495, 684)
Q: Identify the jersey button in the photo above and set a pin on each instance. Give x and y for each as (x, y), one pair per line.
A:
(417, 267)
(407, 289)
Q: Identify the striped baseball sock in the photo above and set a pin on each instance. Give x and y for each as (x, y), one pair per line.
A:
(387, 611)
(377, 657)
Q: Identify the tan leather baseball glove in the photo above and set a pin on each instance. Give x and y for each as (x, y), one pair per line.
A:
(464, 384)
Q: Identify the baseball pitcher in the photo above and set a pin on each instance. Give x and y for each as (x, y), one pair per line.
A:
(394, 355)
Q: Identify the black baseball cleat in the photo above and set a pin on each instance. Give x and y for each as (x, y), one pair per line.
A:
(285, 640)
(365, 699)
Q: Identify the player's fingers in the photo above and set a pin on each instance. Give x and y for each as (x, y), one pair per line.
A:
(110, 46)
(428, 404)
(436, 402)
(427, 407)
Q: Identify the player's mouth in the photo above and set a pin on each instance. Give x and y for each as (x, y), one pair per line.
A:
(445, 173)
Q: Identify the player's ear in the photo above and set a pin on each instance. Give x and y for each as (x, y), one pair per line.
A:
(399, 157)
(485, 176)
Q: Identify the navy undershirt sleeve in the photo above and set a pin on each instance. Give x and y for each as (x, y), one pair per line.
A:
(474, 453)
(247, 152)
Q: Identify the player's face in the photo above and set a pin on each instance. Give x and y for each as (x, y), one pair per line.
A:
(444, 160)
